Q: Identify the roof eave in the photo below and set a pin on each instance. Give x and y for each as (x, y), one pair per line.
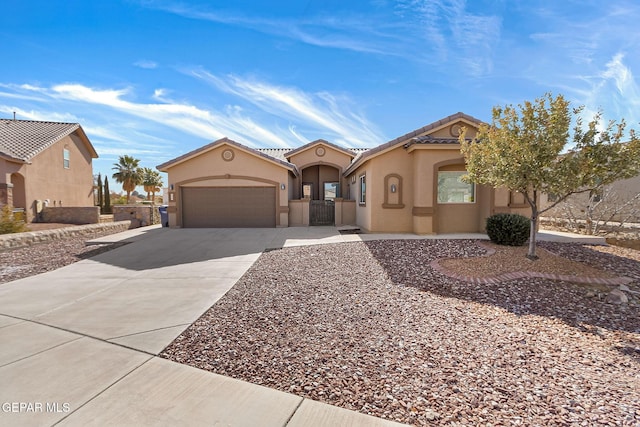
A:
(381, 149)
(312, 144)
(205, 149)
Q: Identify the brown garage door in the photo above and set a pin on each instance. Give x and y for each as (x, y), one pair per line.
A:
(228, 207)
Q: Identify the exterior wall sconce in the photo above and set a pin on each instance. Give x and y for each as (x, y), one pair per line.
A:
(394, 188)
(171, 187)
(282, 186)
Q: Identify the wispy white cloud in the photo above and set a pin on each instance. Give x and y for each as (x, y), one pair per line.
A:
(146, 64)
(256, 113)
(346, 33)
(615, 91)
(421, 29)
(453, 34)
(38, 115)
(325, 112)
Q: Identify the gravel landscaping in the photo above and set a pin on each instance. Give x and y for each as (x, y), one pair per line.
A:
(374, 328)
(28, 261)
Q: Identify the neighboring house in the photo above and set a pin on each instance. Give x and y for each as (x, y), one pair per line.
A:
(45, 163)
(619, 201)
(410, 184)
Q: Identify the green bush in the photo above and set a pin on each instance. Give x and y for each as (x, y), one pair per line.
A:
(9, 223)
(508, 229)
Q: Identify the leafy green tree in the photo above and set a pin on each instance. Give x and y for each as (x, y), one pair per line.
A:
(128, 174)
(152, 181)
(107, 196)
(523, 150)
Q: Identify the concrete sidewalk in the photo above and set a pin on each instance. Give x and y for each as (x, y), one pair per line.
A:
(80, 344)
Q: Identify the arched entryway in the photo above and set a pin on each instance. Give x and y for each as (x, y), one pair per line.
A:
(321, 183)
(18, 193)
(19, 196)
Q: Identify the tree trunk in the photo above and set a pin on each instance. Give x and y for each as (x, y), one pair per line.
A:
(532, 237)
(534, 225)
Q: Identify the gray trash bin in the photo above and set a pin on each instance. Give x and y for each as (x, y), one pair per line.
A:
(164, 216)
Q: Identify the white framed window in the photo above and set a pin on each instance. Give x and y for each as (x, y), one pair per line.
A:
(363, 189)
(65, 158)
(451, 188)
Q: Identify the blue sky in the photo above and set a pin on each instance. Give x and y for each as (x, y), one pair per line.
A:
(156, 79)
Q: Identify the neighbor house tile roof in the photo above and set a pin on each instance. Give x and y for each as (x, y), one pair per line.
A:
(21, 140)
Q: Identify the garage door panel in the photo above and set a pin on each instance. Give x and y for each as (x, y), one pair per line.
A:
(228, 207)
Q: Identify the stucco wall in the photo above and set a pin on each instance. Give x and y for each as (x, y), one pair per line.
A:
(363, 211)
(46, 178)
(296, 212)
(391, 217)
(242, 170)
(413, 207)
(348, 212)
(618, 201)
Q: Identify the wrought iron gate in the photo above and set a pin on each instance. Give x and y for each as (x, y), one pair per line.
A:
(322, 212)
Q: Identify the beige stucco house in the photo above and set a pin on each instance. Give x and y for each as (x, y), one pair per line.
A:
(408, 185)
(45, 161)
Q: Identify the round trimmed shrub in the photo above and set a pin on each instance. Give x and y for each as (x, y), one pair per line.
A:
(508, 229)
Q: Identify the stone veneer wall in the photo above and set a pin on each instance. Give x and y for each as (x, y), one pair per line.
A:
(71, 215)
(139, 215)
(19, 240)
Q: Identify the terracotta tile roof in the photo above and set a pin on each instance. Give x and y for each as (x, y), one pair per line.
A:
(21, 140)
(428, 139)
(276, 153)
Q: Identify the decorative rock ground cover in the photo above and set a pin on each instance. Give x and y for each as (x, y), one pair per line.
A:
(374, 328)
(54, 251)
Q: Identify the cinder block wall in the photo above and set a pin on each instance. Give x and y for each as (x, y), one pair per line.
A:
(140, 216)
(70, 215)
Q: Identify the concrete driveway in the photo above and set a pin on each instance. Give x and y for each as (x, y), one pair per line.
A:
(79, 344)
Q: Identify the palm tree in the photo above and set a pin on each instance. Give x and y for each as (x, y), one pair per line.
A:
(128, 174)
(152, 181)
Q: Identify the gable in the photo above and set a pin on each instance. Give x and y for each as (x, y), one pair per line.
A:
(440, 133)
(21, 140)
(320, 152)
(192, 156)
